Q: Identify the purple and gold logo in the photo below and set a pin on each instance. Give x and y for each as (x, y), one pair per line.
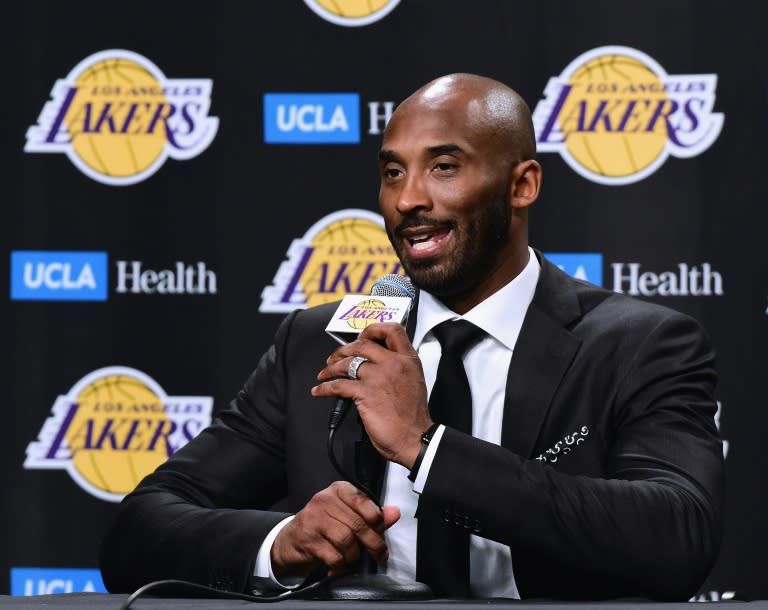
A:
(114, 427)
(118, 118)
(615, 115)
(342, 253)
(367, 312)
(357, 312)
(352, 13)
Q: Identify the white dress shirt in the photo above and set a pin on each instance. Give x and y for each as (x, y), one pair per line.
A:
(486, 363)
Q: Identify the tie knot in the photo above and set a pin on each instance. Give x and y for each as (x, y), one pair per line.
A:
(457, 336)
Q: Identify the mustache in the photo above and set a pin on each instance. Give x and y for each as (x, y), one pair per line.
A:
(418, 220)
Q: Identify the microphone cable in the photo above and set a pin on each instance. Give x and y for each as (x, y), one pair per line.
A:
(206, 592)
(339, 412)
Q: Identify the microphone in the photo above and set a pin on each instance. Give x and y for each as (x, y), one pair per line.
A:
(394, 285)
(399, 292)
(396, 294)
(390, 301)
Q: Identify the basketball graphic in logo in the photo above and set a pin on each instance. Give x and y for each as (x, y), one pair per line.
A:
(352, 12)
(128, 149)
(119, 433)
(366, 313)
(604, 147)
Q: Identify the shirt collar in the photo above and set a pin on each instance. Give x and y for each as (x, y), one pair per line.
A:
(500, 315)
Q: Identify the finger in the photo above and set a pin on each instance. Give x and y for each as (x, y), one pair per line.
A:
(375, 545)
(359, 347)
(340, 368)
(391, 515)
(341, 388)
(368, 521)
(360, 503)
(390, 334)
(351, 532)
(328, 530)
(297, 550)
(351, 524)
(340, 548)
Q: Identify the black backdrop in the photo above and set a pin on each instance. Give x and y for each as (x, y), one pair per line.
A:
(237, 205)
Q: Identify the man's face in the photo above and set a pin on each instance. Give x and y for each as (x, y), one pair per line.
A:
(445, 199)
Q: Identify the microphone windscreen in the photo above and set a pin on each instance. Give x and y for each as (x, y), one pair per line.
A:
(393, 285)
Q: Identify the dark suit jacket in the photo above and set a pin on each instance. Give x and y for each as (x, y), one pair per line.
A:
(608, 483)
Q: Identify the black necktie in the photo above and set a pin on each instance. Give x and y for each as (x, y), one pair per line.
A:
(442, 554)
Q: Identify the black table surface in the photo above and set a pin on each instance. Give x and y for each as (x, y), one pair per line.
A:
(101, 601)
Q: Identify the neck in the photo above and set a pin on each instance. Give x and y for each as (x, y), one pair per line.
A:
(464, 301)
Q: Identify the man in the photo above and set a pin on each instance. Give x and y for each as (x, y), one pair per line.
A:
(589, 465)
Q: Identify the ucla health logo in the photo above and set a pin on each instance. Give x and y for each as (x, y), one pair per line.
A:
(58, 276)
(50, 581)
(342, 253)
(118, 118)
(587, 266)
(352, 12)
(311, 118)
(114, 427)
(615, 115)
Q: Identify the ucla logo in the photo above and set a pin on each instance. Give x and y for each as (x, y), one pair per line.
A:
(51, 581)
(311, 118)
(352, 12)
(615, 115)
(118, 118)
(342, 253)
(587, 266)
(114, 427)
(58, 276)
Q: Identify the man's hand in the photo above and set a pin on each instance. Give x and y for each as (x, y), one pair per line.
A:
(330, 530)
(389, 392)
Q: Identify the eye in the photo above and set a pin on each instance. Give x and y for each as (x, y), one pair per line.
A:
(392, 172)
(445, 167)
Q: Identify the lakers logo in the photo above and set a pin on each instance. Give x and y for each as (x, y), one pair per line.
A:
(352, 12)
(118, 118)
(342, 253)
(367, 312)
(615, 115)
(115, 426)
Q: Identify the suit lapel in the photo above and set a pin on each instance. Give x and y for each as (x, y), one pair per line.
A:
(543, 353)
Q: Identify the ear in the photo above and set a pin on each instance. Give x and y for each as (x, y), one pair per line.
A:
(526, 183)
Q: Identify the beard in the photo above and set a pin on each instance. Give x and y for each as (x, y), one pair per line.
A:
(478, 244)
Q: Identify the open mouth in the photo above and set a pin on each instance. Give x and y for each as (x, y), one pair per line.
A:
(426, 240)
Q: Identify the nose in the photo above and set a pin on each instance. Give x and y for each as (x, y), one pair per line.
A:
(413, 195)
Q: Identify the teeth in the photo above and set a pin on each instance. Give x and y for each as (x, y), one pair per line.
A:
(422, 241)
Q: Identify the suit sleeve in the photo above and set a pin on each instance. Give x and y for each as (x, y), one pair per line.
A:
(645, 521)
(203, 514)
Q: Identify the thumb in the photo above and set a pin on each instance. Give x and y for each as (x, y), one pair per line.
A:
(391, 515)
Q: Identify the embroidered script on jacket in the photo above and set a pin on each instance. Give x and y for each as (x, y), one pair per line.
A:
(564, 446)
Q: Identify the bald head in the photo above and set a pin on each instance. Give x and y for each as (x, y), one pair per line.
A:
(496, 111)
